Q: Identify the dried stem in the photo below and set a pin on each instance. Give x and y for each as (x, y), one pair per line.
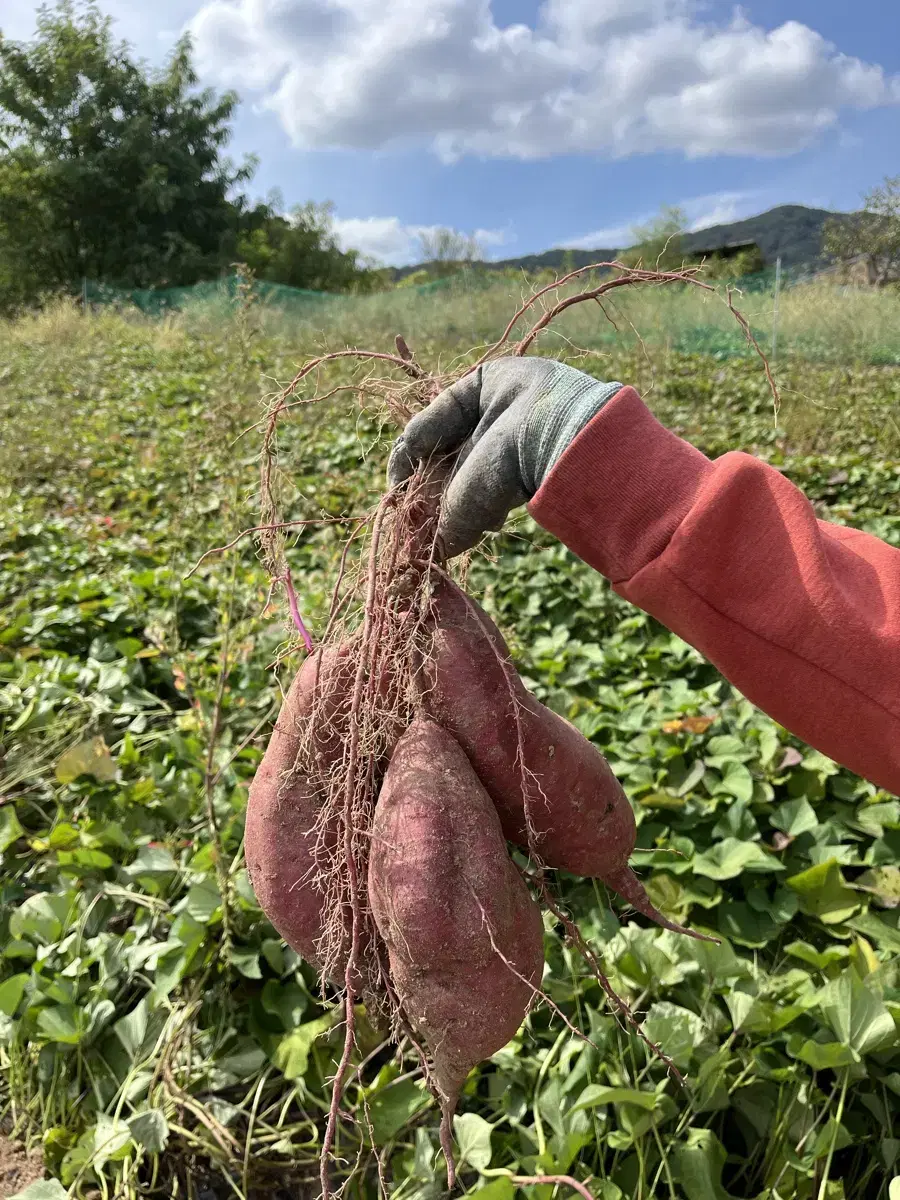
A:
(211, 778)
(295, 610)
(538, 993)
(561, 1180)
(266, 528)
(350, 863)
(620, 1006)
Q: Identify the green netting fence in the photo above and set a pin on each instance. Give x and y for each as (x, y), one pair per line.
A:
(804, 316)
(157, 301)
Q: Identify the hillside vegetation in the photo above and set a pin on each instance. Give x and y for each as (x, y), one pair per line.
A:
(792, 232)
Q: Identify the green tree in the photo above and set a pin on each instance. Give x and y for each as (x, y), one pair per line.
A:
(871, 236)
(658, 243)
(720, 265)
(302, 250)
(445, 251)
(106, 170)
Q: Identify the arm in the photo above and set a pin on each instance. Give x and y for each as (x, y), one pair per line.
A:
(802, 616)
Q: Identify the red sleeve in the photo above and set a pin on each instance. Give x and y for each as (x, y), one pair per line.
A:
(802, 616)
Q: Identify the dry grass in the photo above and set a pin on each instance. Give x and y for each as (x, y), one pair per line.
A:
(820, 321)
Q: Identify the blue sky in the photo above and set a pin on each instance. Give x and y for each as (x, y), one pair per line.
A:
(542, 122)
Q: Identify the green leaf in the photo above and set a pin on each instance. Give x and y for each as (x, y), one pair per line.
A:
(90, 860)
(693, 777)
(876, 928)
(151, 862)
(112, 1141)
(186, 937)
(10, 827)
(11, 992)
(273, 953)
(424, 1157)
(821, 1056)
(719, 962)
(794, 817)
(292, 1052)
(818, 763)
(596, 1095)
(824, 894)
(882, 882)
(63, 836)
(755, 1014)
(662, 800)
(874, 818)
(87, 758)
(287, 1001)
(44, 1189)
(831, 1136)
(42, 918)
(150, 1129)
(820, 959)
(244, 1062)
(736, 781)
(781, 906)
(246, 961)
(203, 901)
(856, 1014)
(498, 1189)
(64, 1023)
(17, 948)
(606, 1190)
(473, 1137)
(131, 1030)
(731, 857)
(677, 863)
(698, 1164)
(393, 1106)
(738, 822)
(744, 925)
(677, 1030)
(726, 746)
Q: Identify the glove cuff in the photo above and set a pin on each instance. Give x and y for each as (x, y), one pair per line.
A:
(559, 414)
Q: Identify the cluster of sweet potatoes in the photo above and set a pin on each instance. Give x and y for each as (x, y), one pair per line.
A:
(480, 764)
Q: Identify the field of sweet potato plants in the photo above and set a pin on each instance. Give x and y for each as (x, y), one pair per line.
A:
(157, 1039)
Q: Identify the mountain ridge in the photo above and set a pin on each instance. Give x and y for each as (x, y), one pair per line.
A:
(792, 232)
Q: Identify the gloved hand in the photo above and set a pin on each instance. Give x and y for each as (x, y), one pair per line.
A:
(511, 420)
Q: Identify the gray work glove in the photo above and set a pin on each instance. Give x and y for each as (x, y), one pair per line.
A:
(511, 420)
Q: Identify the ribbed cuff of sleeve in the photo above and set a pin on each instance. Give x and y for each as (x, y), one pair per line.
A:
(556, 419)
(619, 492)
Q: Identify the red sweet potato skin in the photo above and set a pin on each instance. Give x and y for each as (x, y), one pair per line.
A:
(441, 885)
(279, 837)
(581, 816)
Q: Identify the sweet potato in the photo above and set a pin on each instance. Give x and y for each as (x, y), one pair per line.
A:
(280, 840)
(580, 818)
(462, 932)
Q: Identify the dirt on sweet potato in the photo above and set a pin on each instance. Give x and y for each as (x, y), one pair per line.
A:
(463, 934)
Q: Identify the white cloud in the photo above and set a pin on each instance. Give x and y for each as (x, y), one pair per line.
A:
(615, 77)
(389, 241)
(612, 237)
(700, 210)
(719, 208)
